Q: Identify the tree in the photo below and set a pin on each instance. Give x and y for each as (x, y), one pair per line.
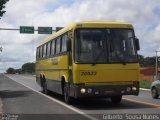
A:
(19, 71)
(149, 62)
(141, 60)
(28, 68)
(2, 3)
(10, 71)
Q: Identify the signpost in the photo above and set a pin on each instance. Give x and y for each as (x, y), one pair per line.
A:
(58, 28)
(27, 29)
(44, 30)
(30, 29)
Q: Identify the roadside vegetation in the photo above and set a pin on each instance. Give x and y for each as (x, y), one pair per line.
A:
(145, 84)
(27, 68)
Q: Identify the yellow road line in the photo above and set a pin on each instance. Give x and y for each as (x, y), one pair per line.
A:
(144, 103)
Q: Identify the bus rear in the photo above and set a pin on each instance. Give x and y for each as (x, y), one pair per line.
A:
(104, 61)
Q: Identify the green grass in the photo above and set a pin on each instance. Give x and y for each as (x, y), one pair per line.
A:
(145, 84)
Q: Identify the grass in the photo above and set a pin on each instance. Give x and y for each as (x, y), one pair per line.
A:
(145, 84)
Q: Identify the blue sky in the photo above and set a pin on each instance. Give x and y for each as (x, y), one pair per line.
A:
(20, 48)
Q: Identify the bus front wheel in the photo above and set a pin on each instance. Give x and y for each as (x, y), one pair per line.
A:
(67, 97)
(116, 99)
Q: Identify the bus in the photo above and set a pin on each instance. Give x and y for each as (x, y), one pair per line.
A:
(90, 60)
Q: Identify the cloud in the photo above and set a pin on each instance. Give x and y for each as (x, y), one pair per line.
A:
(143, 14)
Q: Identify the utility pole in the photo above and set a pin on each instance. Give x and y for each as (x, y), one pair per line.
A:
(156, 64)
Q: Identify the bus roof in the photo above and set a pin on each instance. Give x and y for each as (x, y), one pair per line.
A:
(88, 25)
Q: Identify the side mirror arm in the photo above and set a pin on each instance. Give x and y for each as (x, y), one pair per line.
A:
(137, 44)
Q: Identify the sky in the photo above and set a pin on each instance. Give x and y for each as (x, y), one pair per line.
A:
(20, 48)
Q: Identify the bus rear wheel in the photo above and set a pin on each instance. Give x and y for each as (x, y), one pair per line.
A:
(116, 99)
(44, 88)
(67, 97)
(45, 91)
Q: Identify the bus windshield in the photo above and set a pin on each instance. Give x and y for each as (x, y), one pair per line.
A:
(105, 46)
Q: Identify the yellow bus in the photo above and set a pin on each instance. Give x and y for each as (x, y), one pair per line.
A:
(90, 60)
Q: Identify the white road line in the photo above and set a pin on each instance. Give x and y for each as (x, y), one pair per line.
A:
(144, 89)
(61, 103)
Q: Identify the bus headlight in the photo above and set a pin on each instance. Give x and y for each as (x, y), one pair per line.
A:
(134, 88)
(83, 90)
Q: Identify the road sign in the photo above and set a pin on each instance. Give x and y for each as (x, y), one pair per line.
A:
(44, 30)
(27, 29)
(59, 28)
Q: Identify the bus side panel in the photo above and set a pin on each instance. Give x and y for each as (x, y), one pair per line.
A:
(53, 69)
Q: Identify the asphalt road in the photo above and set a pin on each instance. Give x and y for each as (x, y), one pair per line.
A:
(21, 95)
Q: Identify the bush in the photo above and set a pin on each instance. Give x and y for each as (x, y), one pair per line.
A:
(10, 71)
(145, 84)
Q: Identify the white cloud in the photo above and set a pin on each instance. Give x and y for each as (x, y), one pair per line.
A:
(141, 13)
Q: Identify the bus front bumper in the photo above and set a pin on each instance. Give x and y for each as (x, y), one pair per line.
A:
(81, 91)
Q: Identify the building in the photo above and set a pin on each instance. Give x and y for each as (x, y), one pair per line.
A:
(148, 73)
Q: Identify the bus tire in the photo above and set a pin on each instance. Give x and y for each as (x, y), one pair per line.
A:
(46, 91)
(116, 99)
(42, 84)
(44, 87)
(67, 97)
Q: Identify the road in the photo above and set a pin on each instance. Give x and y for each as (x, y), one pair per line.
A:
(21, 95)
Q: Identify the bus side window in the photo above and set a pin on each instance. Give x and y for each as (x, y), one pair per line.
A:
(64, 43)
(37, 53)
(44, 50)
(41, 53)
(48, 49)
(58, 42)
(53, 47)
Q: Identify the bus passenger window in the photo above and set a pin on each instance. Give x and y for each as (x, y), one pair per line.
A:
(37, 53)
(41, 53)
(58, 42)
(64, 42)
(53, 47)
(48, 49)
(44, 51)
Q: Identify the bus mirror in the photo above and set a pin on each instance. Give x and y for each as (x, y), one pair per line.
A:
(137, 44)
(69, 45)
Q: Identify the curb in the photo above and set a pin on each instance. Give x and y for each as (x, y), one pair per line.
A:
(144, 89)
